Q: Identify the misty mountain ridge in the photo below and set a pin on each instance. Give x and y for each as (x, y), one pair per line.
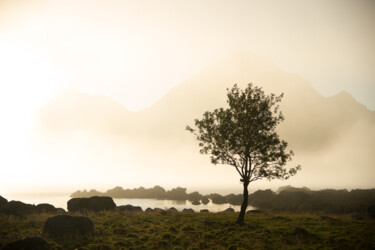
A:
(305, 110)
(313, 124)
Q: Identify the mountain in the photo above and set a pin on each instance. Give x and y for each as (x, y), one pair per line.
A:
(323, 132)
(71, 110)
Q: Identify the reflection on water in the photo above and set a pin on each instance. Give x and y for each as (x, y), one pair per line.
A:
(179, 205)
(60, 200)
(56, 199)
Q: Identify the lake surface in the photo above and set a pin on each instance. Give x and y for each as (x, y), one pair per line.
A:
(60, 200)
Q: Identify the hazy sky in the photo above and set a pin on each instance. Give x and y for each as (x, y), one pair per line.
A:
(136, 51)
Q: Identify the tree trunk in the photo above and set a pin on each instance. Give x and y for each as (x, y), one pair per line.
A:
(241, 216)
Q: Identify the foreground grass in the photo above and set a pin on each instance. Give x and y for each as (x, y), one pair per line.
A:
(205, 231)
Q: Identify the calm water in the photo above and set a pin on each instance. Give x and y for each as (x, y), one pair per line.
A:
(60, 200)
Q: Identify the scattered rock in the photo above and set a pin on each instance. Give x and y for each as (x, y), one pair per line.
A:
(33, 243)
(207, 223)
(196, 203)
(323, 217)
(172, 209)
(60, 210)
(18, 209)
(371, 211)
(46, 208)
(66, 226)
(328, 218)
(188, 210)
(92, 204)
(204, 211)
(129, 208)
(358, 217)
(3, 201)
(278, 218)
(205, 200)
(298, 231)
(229, 210)
(159, 210)
(254, 211)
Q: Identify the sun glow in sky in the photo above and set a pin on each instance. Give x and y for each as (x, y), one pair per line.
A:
(136, 51)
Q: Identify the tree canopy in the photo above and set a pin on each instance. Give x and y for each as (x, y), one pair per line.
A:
(244, 135)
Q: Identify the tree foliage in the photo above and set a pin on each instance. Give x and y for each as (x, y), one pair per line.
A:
(244, 136)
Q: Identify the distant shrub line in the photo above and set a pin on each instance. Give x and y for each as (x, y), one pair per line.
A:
(287, 199)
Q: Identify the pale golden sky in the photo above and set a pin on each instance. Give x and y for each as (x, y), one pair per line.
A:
(136, 51)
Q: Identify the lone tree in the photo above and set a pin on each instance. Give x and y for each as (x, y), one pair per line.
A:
(244, 137)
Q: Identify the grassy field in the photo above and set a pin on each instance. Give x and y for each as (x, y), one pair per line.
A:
(170, 230)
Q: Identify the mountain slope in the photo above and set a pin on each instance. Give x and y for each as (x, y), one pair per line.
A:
(332, 137)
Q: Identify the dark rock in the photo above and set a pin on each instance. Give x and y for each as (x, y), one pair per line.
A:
(195, 196)
(33, 243)
(229, 210)
(371, 211)
(298, 231)
(279, 218)
(65, 226)
(196, 203)
(188, 210)
(358, 217)
(323, 217)
(234, 199)
(149, 210)
(254, 211)
(60, 210)
(205, 200)
(18, 209)
(46, 208)
(129, 208)
(172, 209)
(218, 199)
(3, 201)
(92, 204)
(204, 211)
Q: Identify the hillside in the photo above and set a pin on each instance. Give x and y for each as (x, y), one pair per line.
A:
(325, 133)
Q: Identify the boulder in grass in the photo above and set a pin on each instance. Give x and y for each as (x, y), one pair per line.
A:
(46, 208)
(188, 210)
(371, 211)
(66, 226)
(160, 210)
(18, 209)
(301, 232)
(129, 208)
(149, 210)
(92, 204)
(204, 211)
(60, 210)
(3, 201)
(33, 243)
(172, 209)
(358, 217)
(229, 210)
(254, 211)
